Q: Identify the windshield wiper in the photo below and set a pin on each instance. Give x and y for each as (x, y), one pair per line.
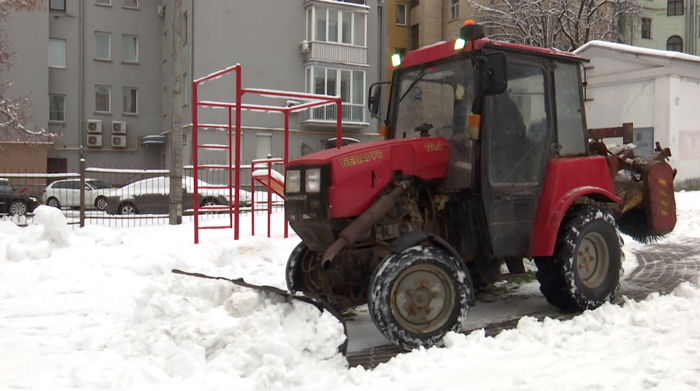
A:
(417, 79)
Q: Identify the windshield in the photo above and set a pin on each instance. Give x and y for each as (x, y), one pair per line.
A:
(436, 99)
(98, 184)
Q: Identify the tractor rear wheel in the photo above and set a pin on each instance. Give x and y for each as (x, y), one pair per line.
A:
(419, 295)
(584, 272)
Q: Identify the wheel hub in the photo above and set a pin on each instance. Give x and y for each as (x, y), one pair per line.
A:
(423, 297)
(592, 260)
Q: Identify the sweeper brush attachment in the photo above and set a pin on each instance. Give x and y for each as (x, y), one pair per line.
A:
(317, 302)
(645, 184)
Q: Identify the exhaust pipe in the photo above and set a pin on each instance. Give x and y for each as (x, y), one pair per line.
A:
(363, 222)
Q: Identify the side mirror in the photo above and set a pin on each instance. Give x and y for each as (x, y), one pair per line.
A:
(374, 99)
(495, 74)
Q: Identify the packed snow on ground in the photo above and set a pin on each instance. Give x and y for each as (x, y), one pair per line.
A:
(98, 308)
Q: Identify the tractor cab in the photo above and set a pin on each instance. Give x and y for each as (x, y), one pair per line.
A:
(504, 111)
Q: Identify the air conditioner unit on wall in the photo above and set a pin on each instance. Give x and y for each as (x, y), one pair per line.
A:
(119, 141)
(161, 10)
(94, 140)
(118, 127)
(304, 47)
(94, 126)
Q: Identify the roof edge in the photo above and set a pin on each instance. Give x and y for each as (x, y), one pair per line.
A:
(624, 48)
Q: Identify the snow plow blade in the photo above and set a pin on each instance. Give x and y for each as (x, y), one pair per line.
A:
(317, 302)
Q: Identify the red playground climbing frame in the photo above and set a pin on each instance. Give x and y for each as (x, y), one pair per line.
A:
(234, 129)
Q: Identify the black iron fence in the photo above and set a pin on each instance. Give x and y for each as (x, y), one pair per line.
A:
(120, 196)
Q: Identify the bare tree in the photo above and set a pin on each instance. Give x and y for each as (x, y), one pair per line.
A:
(559, 24)
(16, 123)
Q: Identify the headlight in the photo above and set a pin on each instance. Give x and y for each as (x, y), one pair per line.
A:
(293, 181)
(313, 180)
(34, 199)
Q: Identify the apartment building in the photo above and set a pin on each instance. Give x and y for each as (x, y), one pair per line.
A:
(431, 21)
(669, 25)
(107, 87)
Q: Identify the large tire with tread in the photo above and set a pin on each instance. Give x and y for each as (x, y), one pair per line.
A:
(584, 272)
(292, 272)
(419, 295)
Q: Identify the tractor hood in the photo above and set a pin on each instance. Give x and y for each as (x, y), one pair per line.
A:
(360, 172)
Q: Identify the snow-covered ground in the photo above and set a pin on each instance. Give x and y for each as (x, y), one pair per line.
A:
(99, 309)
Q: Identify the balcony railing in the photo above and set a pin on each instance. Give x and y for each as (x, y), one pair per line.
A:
(333, 52)
(351, 113)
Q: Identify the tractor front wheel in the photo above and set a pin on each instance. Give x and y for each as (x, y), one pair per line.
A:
(584, 271)
(419, 295)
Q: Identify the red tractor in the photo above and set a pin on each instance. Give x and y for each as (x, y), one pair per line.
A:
(486, 160)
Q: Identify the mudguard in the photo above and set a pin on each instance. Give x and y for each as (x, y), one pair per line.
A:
(307, 298)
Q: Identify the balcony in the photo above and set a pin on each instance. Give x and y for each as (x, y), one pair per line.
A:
(336, 53)
(353, 114)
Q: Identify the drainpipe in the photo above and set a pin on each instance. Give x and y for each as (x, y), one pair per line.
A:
(191, 41)
(81, 75)
(690, 28)
(692, 20)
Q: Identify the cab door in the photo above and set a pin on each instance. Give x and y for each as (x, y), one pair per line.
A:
(517, 135)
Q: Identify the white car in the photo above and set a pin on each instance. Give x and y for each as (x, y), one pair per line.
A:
(66, 193)
(150, 196)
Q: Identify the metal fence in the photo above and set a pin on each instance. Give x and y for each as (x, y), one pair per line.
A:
(152, 187)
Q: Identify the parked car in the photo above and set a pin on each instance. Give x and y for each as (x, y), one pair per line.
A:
(66, 193)
(14, 202)
(151, 196)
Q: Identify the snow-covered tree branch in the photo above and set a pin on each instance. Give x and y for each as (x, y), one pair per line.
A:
(16, 122)
(559, 24)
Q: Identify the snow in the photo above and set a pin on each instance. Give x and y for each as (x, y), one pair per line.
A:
(620, 47)
(265, 173)
(98, 308)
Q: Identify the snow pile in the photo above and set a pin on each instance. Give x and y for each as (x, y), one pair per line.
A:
(653, 344)
(201, 331)
(36, 241)
(98, 308)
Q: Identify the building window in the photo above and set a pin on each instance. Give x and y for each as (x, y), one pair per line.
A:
(646, 28)
(400, 14)
(131, 3)
(454, 9)
(102, 98)
(130, 97)
(57, 108)
(349, 84)
(104, 2)
(332, 25)
(57, 53)
(131, 48)
(102, 45)
(57, 5)
(415, 30)
(675, 7)
(675, 43)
